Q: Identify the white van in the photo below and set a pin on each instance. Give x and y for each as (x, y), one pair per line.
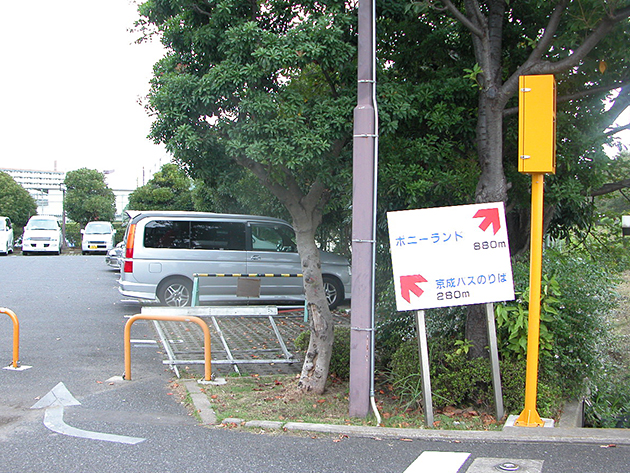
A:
(164, 249)
(6, 236)
(42, 234)
(98, 237)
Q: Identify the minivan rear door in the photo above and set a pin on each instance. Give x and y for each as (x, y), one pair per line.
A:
(272, 250)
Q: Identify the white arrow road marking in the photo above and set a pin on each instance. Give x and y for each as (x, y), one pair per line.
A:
(438, 462)
(57, 396)
(54, 402)
(53, 419)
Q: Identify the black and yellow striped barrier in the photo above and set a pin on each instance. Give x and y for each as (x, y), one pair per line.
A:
(246, 275)
(196, 276)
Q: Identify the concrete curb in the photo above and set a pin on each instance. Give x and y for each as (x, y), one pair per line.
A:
(201, 403)
(565, 434)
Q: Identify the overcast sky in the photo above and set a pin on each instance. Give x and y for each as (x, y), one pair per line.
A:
(70, 81)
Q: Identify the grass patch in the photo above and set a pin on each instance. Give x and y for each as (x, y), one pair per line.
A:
(276, 398)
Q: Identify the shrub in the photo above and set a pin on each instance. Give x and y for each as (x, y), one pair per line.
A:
(459, 382)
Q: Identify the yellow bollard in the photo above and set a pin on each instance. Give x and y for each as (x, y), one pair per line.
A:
(16, 335)
(171, 318)
(529, 417)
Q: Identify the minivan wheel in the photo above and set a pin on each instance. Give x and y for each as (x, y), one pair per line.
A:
(334, 291)
(175, 292)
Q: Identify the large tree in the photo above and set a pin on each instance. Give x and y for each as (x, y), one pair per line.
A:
(88, 197)
(269, 87)
(15, 201)
(168, 189)
(581, 44)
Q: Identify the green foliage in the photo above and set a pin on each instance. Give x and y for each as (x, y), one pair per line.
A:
(512, 320)
(15, 202)
(88, 197)
(168, 189)
(608, 398)
(73, 234)
(340, 358)
(460, 382)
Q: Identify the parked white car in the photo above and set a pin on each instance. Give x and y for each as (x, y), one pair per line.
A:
(42, 234)
(98, 237)
(6, 236)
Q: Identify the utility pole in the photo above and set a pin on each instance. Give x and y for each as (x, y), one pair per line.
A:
(365, 165)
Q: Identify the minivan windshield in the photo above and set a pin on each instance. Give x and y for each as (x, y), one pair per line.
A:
(42, 224)
(97, 227)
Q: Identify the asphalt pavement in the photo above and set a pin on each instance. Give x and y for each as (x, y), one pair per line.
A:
(72, 411)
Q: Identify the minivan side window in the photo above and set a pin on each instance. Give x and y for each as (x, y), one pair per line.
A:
(217, 235)
(167, 234)
(273, 238)
(201, 235)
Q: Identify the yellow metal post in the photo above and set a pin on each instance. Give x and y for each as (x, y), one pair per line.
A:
(529, 417)
(537, 156)
(172, 318)
(16, 335)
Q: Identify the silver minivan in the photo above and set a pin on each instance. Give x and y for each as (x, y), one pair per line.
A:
(164, 249)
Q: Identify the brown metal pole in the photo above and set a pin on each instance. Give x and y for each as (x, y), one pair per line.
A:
(363, 217)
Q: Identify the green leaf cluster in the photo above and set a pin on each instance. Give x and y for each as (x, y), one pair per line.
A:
(15, 201)
(88, 197)
(512, 320)
(168, 189)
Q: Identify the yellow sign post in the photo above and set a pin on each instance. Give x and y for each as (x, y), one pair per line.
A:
(537, 156)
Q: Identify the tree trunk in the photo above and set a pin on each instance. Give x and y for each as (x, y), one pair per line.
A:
(477, 331)
(317, 360)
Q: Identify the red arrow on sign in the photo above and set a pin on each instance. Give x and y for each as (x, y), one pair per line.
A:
(410, 284)
(490, 217)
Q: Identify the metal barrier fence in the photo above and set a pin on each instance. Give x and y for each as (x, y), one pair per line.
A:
(172, 318)
(217, 313)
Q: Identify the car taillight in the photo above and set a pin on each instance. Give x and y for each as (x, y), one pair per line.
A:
(128, 267)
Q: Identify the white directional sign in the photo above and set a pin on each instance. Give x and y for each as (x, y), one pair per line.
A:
(449, 256)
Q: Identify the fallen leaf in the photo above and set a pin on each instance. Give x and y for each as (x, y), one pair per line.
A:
(610, 445)
(406, 440)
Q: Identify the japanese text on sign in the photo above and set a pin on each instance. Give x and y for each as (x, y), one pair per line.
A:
(450, 256)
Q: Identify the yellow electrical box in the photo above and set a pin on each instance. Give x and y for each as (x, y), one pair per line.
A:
(537, 124)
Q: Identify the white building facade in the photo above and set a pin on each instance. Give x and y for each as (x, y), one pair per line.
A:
(46, 187)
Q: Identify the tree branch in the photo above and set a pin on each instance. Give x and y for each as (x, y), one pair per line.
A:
(616, 130)
(611, 187)
(463, 19)
(549, 34)
(578, 95)
(536, 66)
(604, 27)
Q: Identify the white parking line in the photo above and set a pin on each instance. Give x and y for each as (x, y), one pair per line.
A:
(438, 462)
